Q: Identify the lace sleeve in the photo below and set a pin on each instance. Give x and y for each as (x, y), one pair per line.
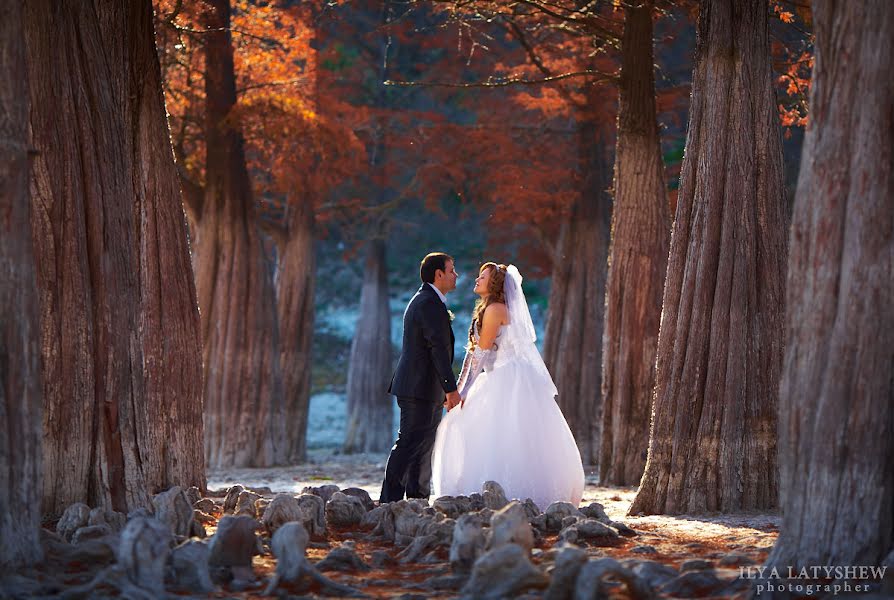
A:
(478, 359)
(464, 371)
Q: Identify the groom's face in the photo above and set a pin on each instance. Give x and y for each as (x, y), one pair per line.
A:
(446, 279)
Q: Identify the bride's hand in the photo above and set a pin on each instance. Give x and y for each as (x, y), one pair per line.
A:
(453, 398)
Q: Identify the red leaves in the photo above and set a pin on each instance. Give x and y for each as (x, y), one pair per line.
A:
(795, 81)
(293, 143)
(784, 15)
(793, 60)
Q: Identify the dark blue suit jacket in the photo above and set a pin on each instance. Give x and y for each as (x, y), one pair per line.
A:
(424, 370)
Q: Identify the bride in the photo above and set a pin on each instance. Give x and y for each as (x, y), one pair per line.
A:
(508, 427)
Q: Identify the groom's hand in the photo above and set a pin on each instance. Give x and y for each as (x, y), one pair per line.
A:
(453, 398)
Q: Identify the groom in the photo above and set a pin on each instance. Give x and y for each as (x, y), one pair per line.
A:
(423, 377)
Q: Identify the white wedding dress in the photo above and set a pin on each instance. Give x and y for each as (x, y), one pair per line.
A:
(510, 429)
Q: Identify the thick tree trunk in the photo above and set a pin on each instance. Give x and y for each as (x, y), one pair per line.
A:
(122, 378)
(169, 317)
(370, 408)
(836, 429)
(21, 405)
(572, 347)
(713, 438)
(295, 283)
(638, 263)
(244, 418)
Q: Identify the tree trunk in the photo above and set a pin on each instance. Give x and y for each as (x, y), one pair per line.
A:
(640, 240)
(20, 398)
(370, 407)
(169, 316)
(244, 415)
(119, 325)
(713, 440)
(836, 428)
(296, 316)
(573, 343)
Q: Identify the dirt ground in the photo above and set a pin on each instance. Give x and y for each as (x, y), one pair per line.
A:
(727, 541)
(669, 540)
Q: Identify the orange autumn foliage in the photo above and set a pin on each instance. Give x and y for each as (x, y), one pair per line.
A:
(793, 61)
(296, 145)
(312, 124)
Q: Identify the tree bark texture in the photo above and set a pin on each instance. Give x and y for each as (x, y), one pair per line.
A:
(370, 407)
(21, 405)
(836, 429)
(295, 283)
(119, 325)
(572, 347)
(713, 435)
(638, 262)
(244, 413)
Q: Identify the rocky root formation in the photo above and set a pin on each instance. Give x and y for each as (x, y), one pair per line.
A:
(479, 546)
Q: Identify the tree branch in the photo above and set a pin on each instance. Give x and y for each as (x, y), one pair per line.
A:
(169, 20)
(543, 7)
(272, 42)
(256, 86)
(586, 18)
(532, 54)
(602, 77)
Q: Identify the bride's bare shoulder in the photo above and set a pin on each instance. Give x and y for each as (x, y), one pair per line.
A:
(498, 312)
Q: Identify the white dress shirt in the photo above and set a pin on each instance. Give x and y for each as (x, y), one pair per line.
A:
(438, 292)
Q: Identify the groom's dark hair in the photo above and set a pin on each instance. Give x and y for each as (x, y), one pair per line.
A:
(431, 263)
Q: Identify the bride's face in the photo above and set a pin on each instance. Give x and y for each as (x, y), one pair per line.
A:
(482, 282)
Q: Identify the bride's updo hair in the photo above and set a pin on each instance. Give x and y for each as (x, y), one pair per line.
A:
(495, 294)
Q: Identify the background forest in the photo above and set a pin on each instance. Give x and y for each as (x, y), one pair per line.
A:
(214, 211)
(430, 127)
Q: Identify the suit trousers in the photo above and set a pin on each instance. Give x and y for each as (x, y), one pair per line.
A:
(409, 465)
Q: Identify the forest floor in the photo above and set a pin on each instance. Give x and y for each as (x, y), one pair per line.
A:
(726, 541)
(723, 545)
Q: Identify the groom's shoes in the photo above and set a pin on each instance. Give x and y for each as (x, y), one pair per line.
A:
(383, 500)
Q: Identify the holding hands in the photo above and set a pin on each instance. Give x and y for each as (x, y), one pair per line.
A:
(453, 398)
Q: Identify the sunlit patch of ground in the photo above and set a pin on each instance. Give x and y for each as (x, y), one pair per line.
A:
(322, 468)
(679, 538)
